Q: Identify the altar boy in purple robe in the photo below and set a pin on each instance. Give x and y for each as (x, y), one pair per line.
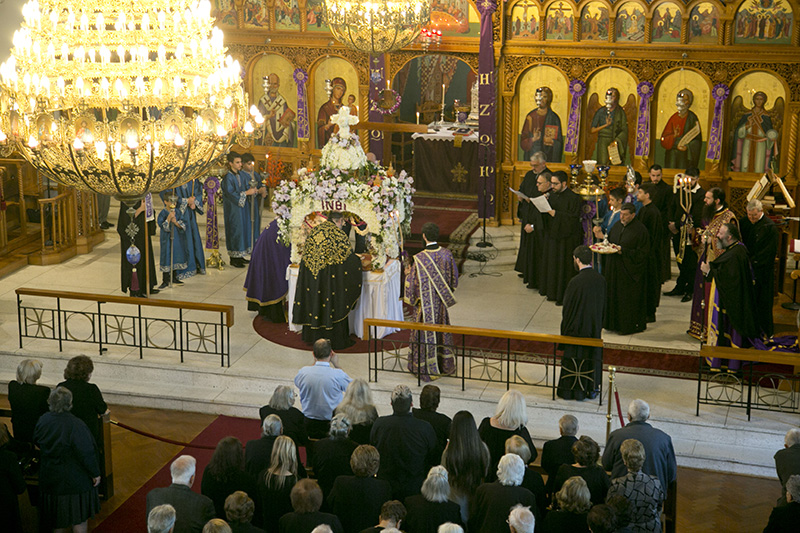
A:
(430, 282)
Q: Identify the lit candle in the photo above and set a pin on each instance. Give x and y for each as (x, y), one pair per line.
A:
(388, 84)
(417, 117)
(443, 98)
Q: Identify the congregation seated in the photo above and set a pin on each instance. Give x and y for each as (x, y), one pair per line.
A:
(643, 491)
(786, 517)
(161, 519)
(192, 510)
(359, 409)
(787, 460)
(429, 399)
(602, 519)
(466, 459)
(258, 452)
(216, 525)
(493, 501)
(306, 498)
(510, 418)
(358, 499)
(225, 474)
(406, 445)
(521, 519)
(276, 482)
(587, 456)
(432, 508)
(28, 400)
(282, 404)
(533, 480)
(331, 456)
(558, 452)
(573, 505)
(239, 511)
(392, 515)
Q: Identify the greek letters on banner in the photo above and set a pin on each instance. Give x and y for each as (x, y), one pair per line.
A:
(378, 81)
(301, 79)
(645, 90)
(577, 89)
(719, 93)
(487, 97)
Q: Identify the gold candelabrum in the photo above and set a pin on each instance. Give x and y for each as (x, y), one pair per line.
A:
(591, 191)
(376, 26)
(121, 98)
(683, 186)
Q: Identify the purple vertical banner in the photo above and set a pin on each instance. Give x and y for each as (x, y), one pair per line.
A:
(212, 186)
(301, 78)
(577, 88)
(487, 119)
(378, 81)
(645, 90)
(719, 94)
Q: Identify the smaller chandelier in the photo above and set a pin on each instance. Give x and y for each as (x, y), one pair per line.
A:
(377, 26)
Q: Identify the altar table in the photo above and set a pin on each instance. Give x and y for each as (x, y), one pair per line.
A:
(380, 298)
(441, 167)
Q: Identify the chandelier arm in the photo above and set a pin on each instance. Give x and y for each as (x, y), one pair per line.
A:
(76, 167)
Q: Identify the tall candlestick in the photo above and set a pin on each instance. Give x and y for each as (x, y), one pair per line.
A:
(443, 98)
(417, 117)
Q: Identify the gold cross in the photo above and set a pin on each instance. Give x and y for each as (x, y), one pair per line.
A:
(459, 172)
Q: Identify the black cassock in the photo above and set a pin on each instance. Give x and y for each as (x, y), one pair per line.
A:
(563, 233)
(663, 199)
(761, 240)
(328, 286)
(651, 218)
(582, 316)
(126, 270)
(531, 245)
(626, 305)
(734, 281)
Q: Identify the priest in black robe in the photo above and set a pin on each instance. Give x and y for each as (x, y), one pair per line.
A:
(662, 197)
(651, 218)
(683, 225)
(625, 272)
(582, 316)
(144, 274)
(731, 317)
(563, 233)
(760, 236)
(328, 284)
(531, 240)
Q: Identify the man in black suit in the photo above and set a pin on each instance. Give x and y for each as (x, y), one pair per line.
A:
(787, 460)
(760, 236)
(428, 403)
(663, 199)
(192, 510)
(559, 451)
(257, 453)
(659, 453)
(407, 446)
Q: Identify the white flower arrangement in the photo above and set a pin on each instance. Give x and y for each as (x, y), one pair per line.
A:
(383, 202)
(343, 153)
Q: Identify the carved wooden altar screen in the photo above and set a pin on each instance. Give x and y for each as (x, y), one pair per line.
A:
(736, 66)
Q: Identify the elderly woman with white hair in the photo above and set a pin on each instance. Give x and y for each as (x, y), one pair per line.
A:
(427, 511)
(643, 491)
(358, 407)
(510, 418)
(282, 404)
(493, 501)
(574, 502)
(28, 400)
(521, 519)
(330, 457)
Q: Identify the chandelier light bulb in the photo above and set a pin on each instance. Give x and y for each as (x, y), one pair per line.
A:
(248, 127)
(77, 144)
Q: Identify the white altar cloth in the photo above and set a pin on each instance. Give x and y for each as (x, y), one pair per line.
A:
(380, 298)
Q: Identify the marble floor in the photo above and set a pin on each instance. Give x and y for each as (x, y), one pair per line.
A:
(719, 439)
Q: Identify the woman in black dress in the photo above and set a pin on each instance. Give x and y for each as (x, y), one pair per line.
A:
(306, 501)
(427, 511)
(28, 400)
(239, 511)
(359, 409)
(574, 504)
(587, 455)
(87, 401)
(358, 499)
(69, 472)
(510, 418)
(225, 474)
(276, 482)
(282, 404)
(331, 457)
(466, 459)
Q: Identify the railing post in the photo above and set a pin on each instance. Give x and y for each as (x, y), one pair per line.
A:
(699, 379)
(19, 319)
(555, 347)
(58, 318)
(508, 364)
(228, 343)
(100, 327)
(749, 389)
(463, 362)
(180, 332)
(600, 385)
(612, 378)
(142, 333)
(419, 361)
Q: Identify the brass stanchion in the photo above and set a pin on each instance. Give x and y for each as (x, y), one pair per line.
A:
(612, 374)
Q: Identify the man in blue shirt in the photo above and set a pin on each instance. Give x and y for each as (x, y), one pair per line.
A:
(322, 387)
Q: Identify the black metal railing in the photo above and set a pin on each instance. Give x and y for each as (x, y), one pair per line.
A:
(135, 329)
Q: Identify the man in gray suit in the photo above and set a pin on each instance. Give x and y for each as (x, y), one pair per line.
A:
(192, 510)
(660, 456)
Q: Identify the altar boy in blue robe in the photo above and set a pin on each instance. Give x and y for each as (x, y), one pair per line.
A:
(235, 190)
(252, 211)
(190, 206)
(173, 257)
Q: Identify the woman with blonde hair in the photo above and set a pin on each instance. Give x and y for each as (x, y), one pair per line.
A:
(28, 400)
(357, 406)
(510, 418)
(574, 501)
(276, 482)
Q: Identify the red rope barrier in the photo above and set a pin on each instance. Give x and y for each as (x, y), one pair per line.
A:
(619, 409)
(162, 439)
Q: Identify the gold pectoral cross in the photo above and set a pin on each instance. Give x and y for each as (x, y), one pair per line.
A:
(459, 173)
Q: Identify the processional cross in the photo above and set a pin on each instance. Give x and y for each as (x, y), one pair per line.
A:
(344, 120)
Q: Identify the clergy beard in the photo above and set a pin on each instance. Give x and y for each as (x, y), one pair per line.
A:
(709, 211)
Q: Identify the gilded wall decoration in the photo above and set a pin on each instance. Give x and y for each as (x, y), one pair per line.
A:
(278, 105)
(344, 82)
(594, 22)
(542, 123)
(455, 18)
(558, 25)
(763, 21)
(704, 24)
(524, 20)
(677, 145)
(256, 14)
(287, 15)
(315, 16)
(666, 23)
(630, 23)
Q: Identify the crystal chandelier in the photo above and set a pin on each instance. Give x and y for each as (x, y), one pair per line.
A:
(121, 97)
(377, 26)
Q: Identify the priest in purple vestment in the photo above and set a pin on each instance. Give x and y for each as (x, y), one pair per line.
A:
(266, 283)
(430, 283)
